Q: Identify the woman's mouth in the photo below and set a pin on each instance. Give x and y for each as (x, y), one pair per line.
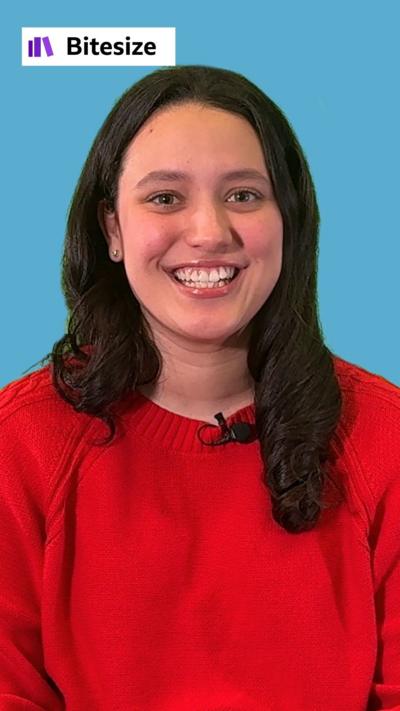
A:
(207, 289)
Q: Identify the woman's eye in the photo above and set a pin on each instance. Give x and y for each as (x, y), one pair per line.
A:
(246, 193)
(163, 195)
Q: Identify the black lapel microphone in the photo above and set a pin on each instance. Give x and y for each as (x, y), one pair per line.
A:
(241, 432)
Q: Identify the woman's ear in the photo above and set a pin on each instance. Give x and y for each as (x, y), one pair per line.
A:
(108, 222)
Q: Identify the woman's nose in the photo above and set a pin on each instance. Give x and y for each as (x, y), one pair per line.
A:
(209, 225)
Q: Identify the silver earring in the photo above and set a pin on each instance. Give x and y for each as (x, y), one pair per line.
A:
(115, 252)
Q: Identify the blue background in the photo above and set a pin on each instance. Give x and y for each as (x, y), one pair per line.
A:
(334, 71)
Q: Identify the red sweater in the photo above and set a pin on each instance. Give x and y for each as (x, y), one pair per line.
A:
(149, 575)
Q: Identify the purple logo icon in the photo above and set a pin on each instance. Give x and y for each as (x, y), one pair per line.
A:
(35, 46)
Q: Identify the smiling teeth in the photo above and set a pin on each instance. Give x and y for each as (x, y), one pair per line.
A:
(206, 277)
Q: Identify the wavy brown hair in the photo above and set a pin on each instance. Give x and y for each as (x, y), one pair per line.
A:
(297, 395)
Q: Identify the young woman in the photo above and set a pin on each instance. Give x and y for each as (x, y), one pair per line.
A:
(200, 501)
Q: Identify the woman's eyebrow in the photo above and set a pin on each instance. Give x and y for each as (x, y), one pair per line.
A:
(171, 175)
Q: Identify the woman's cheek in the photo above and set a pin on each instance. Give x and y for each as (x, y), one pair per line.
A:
(158, 241)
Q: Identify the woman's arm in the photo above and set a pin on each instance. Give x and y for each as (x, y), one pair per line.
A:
(24, 684)
(385, 560)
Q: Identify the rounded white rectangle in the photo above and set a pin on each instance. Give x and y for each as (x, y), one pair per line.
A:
(98, 46)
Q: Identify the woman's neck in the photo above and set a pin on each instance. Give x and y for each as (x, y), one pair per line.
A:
(198, 383)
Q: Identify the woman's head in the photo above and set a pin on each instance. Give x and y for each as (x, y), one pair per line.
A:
(194, 186)
(163, 110)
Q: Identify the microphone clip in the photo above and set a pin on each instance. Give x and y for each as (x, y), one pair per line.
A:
(238, 432)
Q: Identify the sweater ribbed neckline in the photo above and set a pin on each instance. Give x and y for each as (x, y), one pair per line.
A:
(174, 432)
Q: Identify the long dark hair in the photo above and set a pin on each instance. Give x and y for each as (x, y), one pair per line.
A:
(297, 395)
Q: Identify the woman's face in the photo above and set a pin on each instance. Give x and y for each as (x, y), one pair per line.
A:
(164, 221)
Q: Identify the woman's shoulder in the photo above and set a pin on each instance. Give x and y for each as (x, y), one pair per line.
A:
(354, 377)
(34, 415)
(369, 399)
(39, 435)
(33, 394)
(368, 432)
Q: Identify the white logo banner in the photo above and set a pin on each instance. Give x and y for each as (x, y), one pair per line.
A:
(98, 46)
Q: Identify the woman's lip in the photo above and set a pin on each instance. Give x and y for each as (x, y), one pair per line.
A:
(205, 265)
(206, 293)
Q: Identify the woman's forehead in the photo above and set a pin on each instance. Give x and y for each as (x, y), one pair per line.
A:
(193, 135)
